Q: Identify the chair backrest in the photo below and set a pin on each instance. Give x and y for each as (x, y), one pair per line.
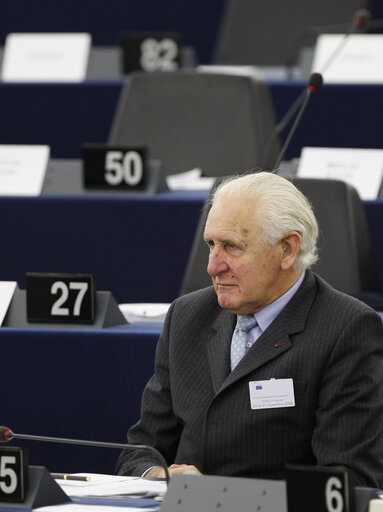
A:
(345, 252)
(190, 119)
(261, 33)
(346, 259)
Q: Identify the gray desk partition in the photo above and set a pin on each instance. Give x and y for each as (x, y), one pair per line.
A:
(65, 177)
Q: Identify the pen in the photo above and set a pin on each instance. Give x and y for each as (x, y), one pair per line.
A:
(63, 476)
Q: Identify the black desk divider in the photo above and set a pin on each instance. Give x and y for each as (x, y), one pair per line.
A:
(65, 177)
(319, 488)
(150, 51)
(194, 493)
(108, 313)
(42, 491)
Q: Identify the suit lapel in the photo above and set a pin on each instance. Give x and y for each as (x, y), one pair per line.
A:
(218, 347)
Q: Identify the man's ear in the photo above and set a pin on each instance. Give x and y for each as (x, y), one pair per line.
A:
(291, 245)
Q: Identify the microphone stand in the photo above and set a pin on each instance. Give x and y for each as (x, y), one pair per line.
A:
(7, 435)
(315, 83)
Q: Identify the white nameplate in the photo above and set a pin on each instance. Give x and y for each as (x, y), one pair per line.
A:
(7, 289)
(271, 394)
(360, 58)
(46, 57)
(22, 169)
(361, 168)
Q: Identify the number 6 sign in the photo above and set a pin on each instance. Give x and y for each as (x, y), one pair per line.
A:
(319, 488)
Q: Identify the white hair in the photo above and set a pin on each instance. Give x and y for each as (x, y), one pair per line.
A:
(282, 208)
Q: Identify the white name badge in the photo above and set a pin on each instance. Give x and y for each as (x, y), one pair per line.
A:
(360, 58)
(46, 57)
(22, 169)
(361, 168)
(7, 289)
(271, 394)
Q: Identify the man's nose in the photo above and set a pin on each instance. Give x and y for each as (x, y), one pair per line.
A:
(216, 264)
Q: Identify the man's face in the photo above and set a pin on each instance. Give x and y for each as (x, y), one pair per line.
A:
(246, 275)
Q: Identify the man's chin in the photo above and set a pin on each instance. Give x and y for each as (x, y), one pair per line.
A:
(234, 304)
(227, 302)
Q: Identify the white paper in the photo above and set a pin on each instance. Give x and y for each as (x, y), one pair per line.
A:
(22, 169)
(46, 57)
(7, 289)
(144, 312)
(189, 180)
(79, 507)
(104, 486)
(375, 505)
(360, 58)
(361, 168)
(272, 394)
(112, 485)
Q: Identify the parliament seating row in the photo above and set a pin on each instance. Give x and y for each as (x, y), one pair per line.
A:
(137, 247)
(205, 26)
(105, 21)
(65, 116)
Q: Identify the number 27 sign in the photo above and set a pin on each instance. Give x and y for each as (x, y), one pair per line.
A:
(60, 298)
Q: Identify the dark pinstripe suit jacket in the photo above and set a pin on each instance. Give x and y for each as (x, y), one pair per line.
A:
(196, 412)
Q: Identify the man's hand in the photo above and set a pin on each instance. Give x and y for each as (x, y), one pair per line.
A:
(174, 469)
(183, 469)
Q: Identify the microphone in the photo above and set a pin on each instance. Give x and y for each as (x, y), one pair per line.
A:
(360, 21)
(6, 435)
(361, 18)
(314, 84)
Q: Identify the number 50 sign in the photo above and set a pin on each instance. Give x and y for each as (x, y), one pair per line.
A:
(319, 488)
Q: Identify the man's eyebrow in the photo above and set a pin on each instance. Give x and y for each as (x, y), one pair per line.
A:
(224, 241)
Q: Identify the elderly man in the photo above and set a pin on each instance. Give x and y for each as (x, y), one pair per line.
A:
(270, 365)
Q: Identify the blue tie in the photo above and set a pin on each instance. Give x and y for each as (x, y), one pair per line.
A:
(238, 343)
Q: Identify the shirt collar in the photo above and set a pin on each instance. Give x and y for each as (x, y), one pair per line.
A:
(269, 313)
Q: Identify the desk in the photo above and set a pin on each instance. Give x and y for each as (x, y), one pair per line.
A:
(338, 115)
(61, 115)
(137, 246)
(197, 20)
(80, 384)
(65, 116)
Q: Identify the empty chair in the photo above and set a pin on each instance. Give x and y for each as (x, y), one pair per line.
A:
(264, 33)
(346, 259)
(190, 119)
(345, 253)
